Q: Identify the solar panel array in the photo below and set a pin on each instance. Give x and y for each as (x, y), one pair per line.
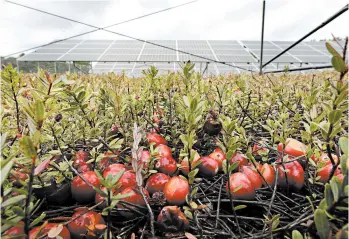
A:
(134, 56)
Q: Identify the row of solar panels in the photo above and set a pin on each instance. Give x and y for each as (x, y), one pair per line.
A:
(135, 51)
(135, 69)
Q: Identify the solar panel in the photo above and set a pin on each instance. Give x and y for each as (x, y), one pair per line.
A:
(100, 41)
(87, 51)
(40, 57)
(158, 57)
(226, 47)
(192, 44)
(79, 57)
(230, 51)
(300, 47)
(69, 41)
(305, 53)
(126, 45)
(219, 42)
(93, 46)
(113, 55)
(235, 58)
(185, 57)
(55, 46)
(283, 58)
(158, 51)
(258, 44)
(119, 58)
(199, 52)
(123, 51)
(272, 52)
(284, 42)
(314, 59)
(42, 50)
(167, 43)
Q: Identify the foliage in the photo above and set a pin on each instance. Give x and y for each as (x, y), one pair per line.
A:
(48, 117)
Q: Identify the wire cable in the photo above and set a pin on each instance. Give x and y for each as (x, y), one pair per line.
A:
(133, 38)
(88, 32)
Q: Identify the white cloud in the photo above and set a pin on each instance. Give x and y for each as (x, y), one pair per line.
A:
(206, 19)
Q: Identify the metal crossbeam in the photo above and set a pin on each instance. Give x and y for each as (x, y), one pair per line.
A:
(337, 14)
(300, 69)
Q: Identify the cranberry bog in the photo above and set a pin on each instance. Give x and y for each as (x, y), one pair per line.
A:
(175, 156)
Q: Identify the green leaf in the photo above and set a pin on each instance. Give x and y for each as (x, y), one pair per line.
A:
(6, 224)
(39, 112)
(193, 173)
(27, 147)
(331, 49)
(296, 235)
(342, 208)
(276, 222)
(240, 207)
(193, 205)
(13, 200)
(343, 144)
(186, 101)
(233, 166)
(3, 140)
(338, 63)
(224, 166)
(310, 202)
(322, 224)
(194, 192)
(121, 196)
(335, 190)
(81, 95)
(5, 170)
(18, 210)
(100, 178)
(323, 204)
(38, 219)
(334, 116)
(328, 194)
(101, 192)
(313, 127)
(197, 163)
(114, 179)
(343, 163)
(188, 214)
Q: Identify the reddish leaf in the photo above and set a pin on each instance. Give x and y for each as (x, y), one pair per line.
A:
(61, 219)
(81, 209)
(41, 167)
(54, 231)
(100, 226)
(48, 76)
(190, 236)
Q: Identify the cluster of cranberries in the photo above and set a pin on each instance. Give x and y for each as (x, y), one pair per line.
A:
(242, 184)
(85, 224)
(290, 172)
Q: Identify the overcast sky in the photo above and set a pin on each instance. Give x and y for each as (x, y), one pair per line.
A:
(23, 28)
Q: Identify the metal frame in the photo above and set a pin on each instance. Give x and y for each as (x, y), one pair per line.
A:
(262, 41)
(334, 16)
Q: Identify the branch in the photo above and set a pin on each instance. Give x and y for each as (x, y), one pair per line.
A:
(137, 168)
